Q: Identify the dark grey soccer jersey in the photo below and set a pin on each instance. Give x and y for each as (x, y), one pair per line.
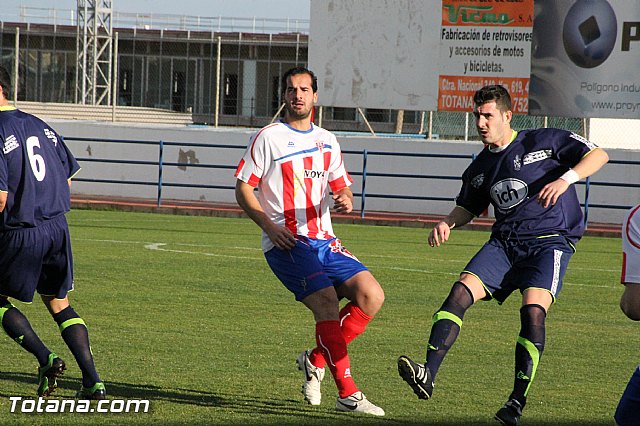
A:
(35, 165)
(511, 179)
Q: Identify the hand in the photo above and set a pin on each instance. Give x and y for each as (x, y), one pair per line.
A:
(550, 193)
(281, 237)
(342, 203)
(439, 233)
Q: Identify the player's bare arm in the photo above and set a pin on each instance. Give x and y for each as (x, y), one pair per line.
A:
(589, 164)
(4, 99)
(3, 200)
(281, 237)
(343, 200)
(440, 233)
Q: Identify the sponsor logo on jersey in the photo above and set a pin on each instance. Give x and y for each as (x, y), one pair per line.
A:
(314, 174)
(477, 181)
(508, 193)
(48, 133)
(517, 163)
(534, 156)
(291, 144)
(579, 138)
(10, 144)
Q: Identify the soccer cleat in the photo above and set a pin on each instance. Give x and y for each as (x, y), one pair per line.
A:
(97, 391)
(48, 373)
(312, 378)
(510, 413)
(358, 403)
(417, 376)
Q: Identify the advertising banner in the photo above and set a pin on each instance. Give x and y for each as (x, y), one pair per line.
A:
(484, 42)
(586, 59)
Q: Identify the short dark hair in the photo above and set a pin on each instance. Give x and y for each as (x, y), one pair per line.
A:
(5, 82)
(300, 70)
(495, 93)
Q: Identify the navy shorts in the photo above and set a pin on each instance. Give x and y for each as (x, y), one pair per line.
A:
(628, 411)
(506, 265)
(313, 265)
(36, 259)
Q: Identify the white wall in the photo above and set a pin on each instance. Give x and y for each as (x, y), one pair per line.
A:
(376, 53)
(615, 132)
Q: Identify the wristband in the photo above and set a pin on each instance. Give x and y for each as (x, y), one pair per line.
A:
(570, 176)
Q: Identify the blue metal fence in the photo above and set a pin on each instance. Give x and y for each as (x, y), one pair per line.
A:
(366, 173)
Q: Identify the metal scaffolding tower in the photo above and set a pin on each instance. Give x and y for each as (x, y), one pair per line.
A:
(94, 52)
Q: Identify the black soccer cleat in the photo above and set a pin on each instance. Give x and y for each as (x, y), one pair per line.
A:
(417, 376)
(48, 373)
(96, 392)
(510, 413)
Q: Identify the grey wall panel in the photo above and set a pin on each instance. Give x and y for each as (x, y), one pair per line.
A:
(411, 186)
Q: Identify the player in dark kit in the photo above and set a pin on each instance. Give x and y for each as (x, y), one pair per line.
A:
(35, 247)
(527, 177)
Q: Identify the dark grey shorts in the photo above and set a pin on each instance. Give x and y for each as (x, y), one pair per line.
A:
(36, 259)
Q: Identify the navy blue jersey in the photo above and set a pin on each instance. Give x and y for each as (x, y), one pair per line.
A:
(35, 166)
(510, 180)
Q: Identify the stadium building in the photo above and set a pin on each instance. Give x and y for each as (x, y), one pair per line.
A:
(171, 63)
(215, 71)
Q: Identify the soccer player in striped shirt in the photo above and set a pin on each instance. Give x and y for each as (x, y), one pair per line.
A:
(628, 410)
(527, 176)
(295, 165)
(35, 248)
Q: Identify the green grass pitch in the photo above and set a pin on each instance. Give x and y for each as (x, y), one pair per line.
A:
(184, 311)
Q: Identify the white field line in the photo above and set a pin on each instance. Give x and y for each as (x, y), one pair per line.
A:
(160, 247)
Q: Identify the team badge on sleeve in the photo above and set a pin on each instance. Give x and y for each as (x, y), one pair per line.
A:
(477, 181)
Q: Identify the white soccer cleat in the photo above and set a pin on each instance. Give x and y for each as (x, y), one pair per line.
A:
(358, 403)
(312, 378)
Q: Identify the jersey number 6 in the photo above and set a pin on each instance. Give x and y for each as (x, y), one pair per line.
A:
(37, 162)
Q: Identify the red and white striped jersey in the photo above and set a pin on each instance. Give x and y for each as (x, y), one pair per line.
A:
(631, 246)
(292, 169)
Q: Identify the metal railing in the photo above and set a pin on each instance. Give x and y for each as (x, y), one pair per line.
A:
(160, 21)
(366, 173)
